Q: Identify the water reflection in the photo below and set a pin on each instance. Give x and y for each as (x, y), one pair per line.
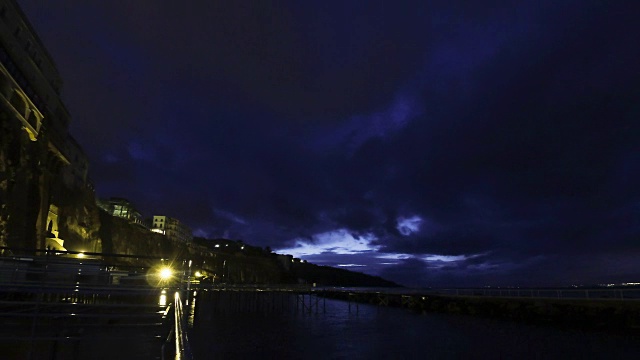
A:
(192, 311)
(163, 298)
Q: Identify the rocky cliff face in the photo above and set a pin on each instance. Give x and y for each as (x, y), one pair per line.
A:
(85, 227)
(121, 237)
(79, 220)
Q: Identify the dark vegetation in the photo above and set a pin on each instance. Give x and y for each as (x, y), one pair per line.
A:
(293, 271)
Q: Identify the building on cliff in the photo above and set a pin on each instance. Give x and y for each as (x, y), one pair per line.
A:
(171, 228)
(122, 208)
(39, 159)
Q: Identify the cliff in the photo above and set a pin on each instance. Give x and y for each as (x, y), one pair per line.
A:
(329, 276)
(79, 220)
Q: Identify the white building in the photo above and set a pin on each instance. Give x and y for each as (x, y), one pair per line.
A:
(171, 228)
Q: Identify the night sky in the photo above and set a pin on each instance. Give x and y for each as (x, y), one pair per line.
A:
(431, 143)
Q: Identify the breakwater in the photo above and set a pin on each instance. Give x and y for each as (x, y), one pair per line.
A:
(615, 315)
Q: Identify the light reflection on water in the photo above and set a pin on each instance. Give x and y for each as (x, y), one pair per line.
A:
(192, 312)
(391, 333)
(162, 301)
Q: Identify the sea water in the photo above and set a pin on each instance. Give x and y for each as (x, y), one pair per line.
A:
(335, 330)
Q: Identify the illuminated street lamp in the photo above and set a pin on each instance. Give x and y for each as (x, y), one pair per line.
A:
(165, 273)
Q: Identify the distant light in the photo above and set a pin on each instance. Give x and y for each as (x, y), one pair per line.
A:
(163, 299)
(80, 255)
(198, 274)
(217, 245)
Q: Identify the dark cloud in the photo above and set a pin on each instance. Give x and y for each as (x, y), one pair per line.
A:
(505, 133)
